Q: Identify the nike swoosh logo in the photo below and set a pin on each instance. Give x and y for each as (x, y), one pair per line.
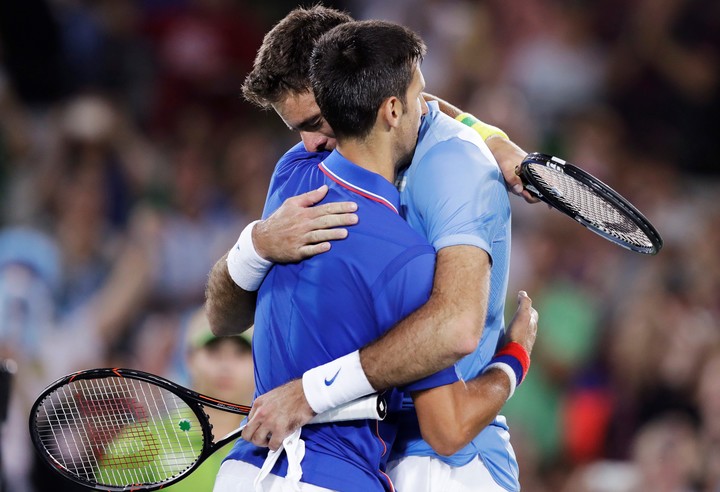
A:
(328, 382)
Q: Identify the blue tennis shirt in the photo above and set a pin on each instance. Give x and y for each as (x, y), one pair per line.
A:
(315, 311)
(453, 193)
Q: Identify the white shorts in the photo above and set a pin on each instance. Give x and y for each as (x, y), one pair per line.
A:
(428, 474)
(238, 476)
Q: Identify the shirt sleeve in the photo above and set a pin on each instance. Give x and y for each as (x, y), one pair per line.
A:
(460, 195)
(406, 290)
(448, 375)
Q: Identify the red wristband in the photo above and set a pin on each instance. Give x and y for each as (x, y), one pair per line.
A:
(516, 350)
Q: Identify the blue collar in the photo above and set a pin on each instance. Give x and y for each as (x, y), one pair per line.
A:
(361, 181)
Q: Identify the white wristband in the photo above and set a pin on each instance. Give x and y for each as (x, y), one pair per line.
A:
(337, 382)
(247, 268)
(507, 370)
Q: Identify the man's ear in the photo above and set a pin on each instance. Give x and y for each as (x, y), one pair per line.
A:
(391, 110)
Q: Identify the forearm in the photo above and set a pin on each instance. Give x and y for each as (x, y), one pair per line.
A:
(484, 397)
(230, 309)
(445, 329)
(450, 416)
(295, 231)
(453, 415)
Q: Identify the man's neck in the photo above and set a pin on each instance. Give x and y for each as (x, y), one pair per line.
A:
(371, 154)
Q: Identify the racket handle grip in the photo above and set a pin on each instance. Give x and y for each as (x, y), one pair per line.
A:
(368, 407)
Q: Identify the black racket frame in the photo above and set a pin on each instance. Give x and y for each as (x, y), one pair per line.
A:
(194, 400)
(602, 189)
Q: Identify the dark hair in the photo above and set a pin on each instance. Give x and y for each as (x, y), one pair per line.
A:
(282, 63)
(357, 66)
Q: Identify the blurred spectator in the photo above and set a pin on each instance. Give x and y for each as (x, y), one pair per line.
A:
(604, 476)
(30, 268)
(560, 70)
(221, 368)
(179, 238)
(246, 168)
(29, 278)
(708, 400)
(127, 67)
(665, 458)
(203, 48)
(666, 81)
(667, 455)
(32, 52)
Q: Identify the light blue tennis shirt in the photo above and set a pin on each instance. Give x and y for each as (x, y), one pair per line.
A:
(453, 193)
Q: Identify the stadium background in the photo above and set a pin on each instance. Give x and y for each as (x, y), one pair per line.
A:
(129, 163)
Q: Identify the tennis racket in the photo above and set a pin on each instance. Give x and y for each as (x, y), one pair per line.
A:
(589, 201)
(127, 430)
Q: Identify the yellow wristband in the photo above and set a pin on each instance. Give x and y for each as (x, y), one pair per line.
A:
(484, 130)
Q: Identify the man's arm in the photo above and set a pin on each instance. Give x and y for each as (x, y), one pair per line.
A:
(434, 337)
(451, 416)
(445, 329)
(507, 154)
(230, 309)
(295, 231)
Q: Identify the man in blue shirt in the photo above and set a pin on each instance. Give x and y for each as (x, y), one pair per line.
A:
(460, 299)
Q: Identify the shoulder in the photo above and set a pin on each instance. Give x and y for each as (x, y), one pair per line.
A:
(378, 224)
(380, 237)
(445, 140)
(298, 156)
(295, 173)
(455, 160)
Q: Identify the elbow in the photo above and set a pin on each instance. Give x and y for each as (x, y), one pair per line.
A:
(218, 327)
(447, 442)
(465, 335)
(222, 324)
(452, 436)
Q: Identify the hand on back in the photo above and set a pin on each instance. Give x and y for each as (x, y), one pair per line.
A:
(299, 229)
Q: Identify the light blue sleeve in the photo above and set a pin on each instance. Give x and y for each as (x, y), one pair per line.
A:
(458, 195)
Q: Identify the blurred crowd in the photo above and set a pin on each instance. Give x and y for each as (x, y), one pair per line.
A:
(129, 163)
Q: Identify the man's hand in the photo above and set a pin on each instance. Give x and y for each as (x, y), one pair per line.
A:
(523, 327)
(509, 156)
(276, 414)
(298, 230)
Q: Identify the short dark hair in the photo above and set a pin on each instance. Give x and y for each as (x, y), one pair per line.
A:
(357, 66)
(282, 63)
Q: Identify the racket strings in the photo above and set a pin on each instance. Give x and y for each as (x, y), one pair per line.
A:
(591, 207)
(119, 431)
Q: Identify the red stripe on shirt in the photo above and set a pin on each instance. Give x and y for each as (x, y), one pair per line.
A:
(356, 190)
